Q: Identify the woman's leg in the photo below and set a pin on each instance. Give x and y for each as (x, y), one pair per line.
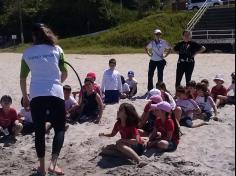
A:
(179, 74)
(160, 70)
(151, 70)
(58, 114)
(189, 71)
(38, 111)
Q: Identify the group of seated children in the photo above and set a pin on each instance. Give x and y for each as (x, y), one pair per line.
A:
(164, 135)
(159, 125)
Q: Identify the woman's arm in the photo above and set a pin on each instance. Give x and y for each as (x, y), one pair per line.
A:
(23, 82)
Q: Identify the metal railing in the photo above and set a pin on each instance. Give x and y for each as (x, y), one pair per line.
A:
(214, 34)
(197, 16)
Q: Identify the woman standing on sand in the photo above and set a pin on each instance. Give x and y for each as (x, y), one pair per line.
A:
(187, 50)
(155, 49)
(45, 61)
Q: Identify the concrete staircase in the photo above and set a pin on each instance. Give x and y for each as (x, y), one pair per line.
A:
(216, 26)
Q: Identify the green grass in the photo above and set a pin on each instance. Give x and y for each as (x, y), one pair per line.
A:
(126, 38)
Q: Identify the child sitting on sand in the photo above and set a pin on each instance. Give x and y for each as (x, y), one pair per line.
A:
(206, 103)
(132, 82)
(189, 107)
(166, 96)
(26, 119)
(130, 144)
(70, 102)
(191, 87)
(229, 99)
(125, 88)
(9, 122)
(218, 89)
(165, 135)
(148, 119)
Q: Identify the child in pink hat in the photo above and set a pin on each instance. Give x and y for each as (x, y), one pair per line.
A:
(165, 134)
(148, 119)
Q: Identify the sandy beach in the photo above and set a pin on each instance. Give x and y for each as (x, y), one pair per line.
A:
(204, 151)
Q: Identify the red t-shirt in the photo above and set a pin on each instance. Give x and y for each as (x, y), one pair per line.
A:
(166, 127)
(7, 120)
(96, 88)
(126, 132)
(218, 91)
(147, 107)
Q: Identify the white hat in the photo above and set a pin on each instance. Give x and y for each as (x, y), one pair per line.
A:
(219, 77)
(157, 31)
(153, 92)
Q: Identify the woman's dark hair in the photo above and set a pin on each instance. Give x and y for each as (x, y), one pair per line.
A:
(6, 98)
(203, 87)
(122, 79)
(132, 115)
(43, 35)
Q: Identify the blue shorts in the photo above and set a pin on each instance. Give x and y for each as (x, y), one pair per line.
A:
(112, 96)
(231, 100)
(186, 121)
(208, 115)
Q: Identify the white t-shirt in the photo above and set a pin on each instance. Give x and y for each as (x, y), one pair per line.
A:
(111, 80)
(43, 61)
(205, 105)
(70, 103)
(158, 49)
(27, 115)
(132, 82)
(125, 87)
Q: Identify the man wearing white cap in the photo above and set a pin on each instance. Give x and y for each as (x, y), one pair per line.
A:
(156, 49)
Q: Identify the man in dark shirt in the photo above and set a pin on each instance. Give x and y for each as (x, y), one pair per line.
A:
(187, 50)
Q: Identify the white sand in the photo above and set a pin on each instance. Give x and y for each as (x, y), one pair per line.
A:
(208, 150)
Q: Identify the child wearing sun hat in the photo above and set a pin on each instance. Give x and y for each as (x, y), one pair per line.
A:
(218, 89)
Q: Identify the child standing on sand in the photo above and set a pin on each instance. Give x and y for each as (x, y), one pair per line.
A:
(130, 144)
(111, 84)
(189, 107)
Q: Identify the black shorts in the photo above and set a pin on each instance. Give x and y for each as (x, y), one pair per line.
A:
(139, 149)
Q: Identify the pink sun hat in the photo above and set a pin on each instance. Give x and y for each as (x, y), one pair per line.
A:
(164, 106)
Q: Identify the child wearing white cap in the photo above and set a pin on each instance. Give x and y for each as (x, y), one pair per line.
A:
(218, 89)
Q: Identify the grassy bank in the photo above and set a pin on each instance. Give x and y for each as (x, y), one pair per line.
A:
(127, 38)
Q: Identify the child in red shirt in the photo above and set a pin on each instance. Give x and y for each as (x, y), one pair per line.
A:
(9, 123)
(130, 144)
(166, 131)
(218, 89)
